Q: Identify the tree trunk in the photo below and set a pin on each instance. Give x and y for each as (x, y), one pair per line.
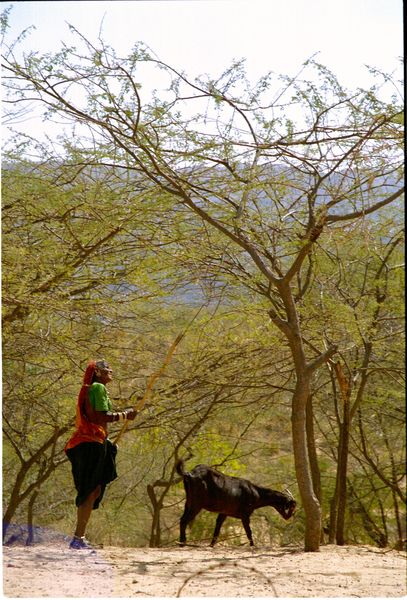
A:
(302, 393)
(333, 508)
(312, 451)
(310, 502)
(342, 479)
(30, 518)
(14, 500)
(49, 464)
(313, 458)
(339, 499)
(343, 453)
(155, 533)
(333, 514)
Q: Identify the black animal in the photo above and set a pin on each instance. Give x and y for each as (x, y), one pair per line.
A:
(208, 489)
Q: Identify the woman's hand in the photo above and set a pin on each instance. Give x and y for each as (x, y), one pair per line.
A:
(131, 413)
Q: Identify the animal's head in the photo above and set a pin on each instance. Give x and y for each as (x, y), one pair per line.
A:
(284, 503)
(290, 505)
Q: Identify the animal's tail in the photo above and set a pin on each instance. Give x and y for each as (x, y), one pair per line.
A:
(179, 467)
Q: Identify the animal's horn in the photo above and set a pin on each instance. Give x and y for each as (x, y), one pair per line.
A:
(289, 494)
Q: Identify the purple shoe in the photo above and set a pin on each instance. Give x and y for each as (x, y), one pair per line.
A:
(80, 543)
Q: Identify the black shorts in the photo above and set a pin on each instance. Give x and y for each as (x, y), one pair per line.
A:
(93, 464)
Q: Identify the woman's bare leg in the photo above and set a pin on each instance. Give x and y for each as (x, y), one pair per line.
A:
(84, 511)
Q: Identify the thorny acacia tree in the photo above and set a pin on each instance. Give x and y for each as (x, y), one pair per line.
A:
(369, 360)
(59, 264)
(361, 275)
(221, 381)
(271, 169)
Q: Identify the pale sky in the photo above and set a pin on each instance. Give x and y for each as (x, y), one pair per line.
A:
(204, 36)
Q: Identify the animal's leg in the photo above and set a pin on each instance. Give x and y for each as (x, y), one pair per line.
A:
(189, 515)
(220, 519)
(246, 525)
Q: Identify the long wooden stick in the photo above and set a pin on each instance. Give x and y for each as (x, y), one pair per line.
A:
(140, 404)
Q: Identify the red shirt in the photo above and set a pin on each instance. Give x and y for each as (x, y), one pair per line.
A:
(92, 398)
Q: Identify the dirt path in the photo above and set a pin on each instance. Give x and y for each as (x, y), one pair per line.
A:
(52, 570)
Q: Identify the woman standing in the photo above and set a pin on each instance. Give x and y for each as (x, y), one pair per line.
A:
(91, 453)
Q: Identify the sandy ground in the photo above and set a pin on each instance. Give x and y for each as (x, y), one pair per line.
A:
(52, 570)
